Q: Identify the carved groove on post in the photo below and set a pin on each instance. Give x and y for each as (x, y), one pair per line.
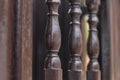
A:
(52, 66)
(93, 72)
(75, 67)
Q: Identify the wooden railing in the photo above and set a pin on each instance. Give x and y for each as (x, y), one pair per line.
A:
(24, 55)
(76, 71)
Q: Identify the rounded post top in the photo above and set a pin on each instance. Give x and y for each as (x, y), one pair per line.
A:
(93, 5)
(93, 2)
(53, 1)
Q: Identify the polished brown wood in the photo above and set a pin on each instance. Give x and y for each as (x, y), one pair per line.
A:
(52, 65)
(75, 66)
(93, 72)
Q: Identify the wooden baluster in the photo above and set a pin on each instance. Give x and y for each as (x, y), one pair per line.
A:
(75, 67)
(52, 66)
(93, 72)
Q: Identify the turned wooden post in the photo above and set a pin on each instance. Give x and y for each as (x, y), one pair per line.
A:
(75, 67)
(52, 66)
(93, 72)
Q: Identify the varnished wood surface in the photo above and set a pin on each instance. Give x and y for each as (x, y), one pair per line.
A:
(52, 63)
(41, 20)
(93, 47)
(75, 66)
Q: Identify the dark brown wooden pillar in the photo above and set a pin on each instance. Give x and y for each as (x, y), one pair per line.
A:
(93, 71)
(52, 65)
(75, 67)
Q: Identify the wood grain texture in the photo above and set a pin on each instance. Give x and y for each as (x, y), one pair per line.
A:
(26, 63)
(23, 40)
(6, 39)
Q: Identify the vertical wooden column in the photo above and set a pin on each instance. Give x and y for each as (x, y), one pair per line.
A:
(6, 39)
(23, 40)
(75, 67)
(93, 72)
(52, 66)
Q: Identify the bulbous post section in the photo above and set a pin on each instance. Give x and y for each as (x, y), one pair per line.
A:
(75, 67)
(93, 72)
(52, 66)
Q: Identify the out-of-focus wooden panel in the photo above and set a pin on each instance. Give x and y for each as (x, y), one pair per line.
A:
(115, 37)
(23, 40)
(104, 32)
(26, 62)
(6, 39)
